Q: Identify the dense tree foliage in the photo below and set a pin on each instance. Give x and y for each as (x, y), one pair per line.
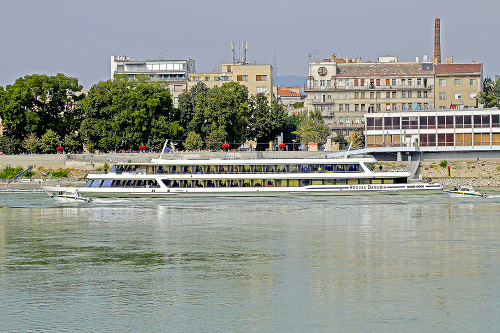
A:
(291, 124)
(36, 103)
(222, 110)
(312, 128)
(187, 104)
(266, 121)
(490, 96)
(193, 141)
(119, 114)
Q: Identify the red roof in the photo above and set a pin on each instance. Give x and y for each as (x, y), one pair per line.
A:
(457, 68)
(289, 93)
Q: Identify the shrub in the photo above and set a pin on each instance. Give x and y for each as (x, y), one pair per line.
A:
(60, 173)
(443, 164)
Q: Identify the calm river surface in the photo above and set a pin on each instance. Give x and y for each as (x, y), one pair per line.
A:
(395, 263)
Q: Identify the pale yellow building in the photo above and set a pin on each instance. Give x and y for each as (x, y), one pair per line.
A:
(257, 78)
(457, 85)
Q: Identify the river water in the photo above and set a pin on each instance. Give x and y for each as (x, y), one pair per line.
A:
(393, 263)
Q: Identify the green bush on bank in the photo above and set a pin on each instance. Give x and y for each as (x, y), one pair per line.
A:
(10, 172)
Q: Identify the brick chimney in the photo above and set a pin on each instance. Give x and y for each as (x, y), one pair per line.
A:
(437, 41)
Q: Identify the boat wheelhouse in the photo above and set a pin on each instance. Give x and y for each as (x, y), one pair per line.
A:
(249, 177)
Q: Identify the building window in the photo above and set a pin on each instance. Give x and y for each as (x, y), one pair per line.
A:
(393, 82)
(458, 95)
(442, 95)
(425, 94)
(403, 94)
(363, 108)
(242, 78)
(356, 82)
(341, 82)
(473, 95)
(207, 78)
(372, 94)
(346, 95)
(341, 107)
(458, 82)
(378, 94)
(388, 94)
(176, 100)
(378, 107)
(356, 120)
(341, 95)
(328, 83)
(356, 95)
(356, 107)
(393, 94)
(347, 107)
(442, 82)
(362, 94)
(409, 94)
(261, 78)
(387, 82)
(409, 83)
(329, 96)
(341, 120)
(261, 90)
(177, 87)
(419, 82)
(347, 120)
(473, 82)
(419, 94)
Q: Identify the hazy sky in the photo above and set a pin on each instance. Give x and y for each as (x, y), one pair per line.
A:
(77, 38)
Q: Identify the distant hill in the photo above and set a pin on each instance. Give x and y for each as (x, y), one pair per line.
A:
(290, 81)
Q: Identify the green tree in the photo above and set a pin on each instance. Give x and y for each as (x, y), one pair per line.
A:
(50, 141)
(37, 103)
(340, 139)
(216, 138)
(72, 143)
(31, 144)
(291, 124)
(9, 145)
(188, 101)
(222, 110)
(123, 114)
(193, 141)
(266, 120)
(312, 128)
(490, 96)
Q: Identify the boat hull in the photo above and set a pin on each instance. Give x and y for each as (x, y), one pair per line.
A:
(318, 190)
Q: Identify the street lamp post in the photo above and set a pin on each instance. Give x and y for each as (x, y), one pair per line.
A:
(293, 144)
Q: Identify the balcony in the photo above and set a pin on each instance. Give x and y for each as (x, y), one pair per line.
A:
(314, 88)
(323, 101)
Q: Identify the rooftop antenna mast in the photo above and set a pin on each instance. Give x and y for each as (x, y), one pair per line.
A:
(244, 58)
(235, 58)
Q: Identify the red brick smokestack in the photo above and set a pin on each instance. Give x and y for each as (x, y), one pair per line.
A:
(437, 41)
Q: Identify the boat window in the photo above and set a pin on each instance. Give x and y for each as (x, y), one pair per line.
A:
(139, 183)
(257, 183)
(96, 183)
(198, 183)
(329, 182)
(328, 168)
(305, 168)
(175, 183)
(257, 168)
(388, 181)
(293, 182)
(339, 168)
(281, 168)
(89, 183)
(364, 181)
(210, 183)
(223, 183)
(198, 169)
(114, 168)
(352, 182)
(246, 183)
(246, 169)
(317, 182)
(294, 168)
(107, 183)
(376, 181)
(175, 169)
(270, 183)
(281, 183)
(341, 182)
(235, 183)
(305, 182)
(270, 168)
(353, 167)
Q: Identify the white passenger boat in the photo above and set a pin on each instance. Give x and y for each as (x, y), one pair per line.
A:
(248, 177)
(467, 191)
(69, 195)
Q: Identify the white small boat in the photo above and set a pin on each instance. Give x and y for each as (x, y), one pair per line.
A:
(71, 196)
(467, 190)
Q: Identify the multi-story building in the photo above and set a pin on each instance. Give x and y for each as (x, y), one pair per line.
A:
(345, 89)
(257, 78)
(175, 72)
(458, 85)
(459, 129)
